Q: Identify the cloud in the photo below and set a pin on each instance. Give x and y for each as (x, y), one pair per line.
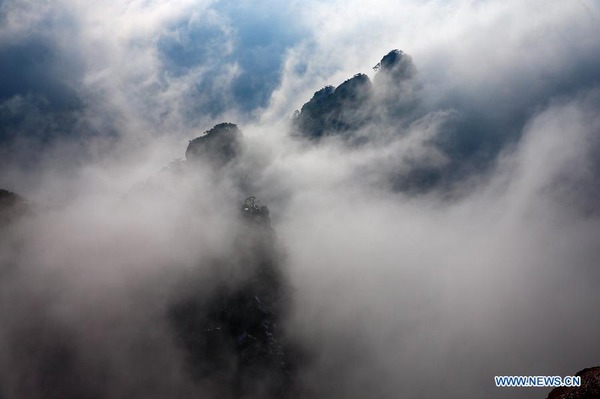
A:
(488, 271)
(406, 296)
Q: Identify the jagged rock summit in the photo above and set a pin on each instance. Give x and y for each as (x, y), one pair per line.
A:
(335, 111)
(218, 146)
(589, 389)
(397, 64)
(253, 210)
(12, 206)
(355, 103)
(233, 335)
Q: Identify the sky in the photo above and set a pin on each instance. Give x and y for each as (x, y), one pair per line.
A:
(401, 288)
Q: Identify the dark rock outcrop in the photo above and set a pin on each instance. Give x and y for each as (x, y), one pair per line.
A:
(231, 338)
(357, 102)
(12, 206)
(394, 83)
(589, 389)
(218, 146)
(397, 65)
(336, 111)
(252, 210)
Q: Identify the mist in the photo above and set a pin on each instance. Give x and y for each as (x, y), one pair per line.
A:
(439, 231)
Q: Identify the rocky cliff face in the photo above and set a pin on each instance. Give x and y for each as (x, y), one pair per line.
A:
(336, 111)
(12, 206)
(395, 65)
(231, 335)
(357, 102)
(232, 338)
(218, 146)
(589, 389)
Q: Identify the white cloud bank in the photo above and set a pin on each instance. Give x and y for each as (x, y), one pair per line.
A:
(396, 295)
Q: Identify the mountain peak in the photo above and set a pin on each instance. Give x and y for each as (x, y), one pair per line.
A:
(12, 206)
(218, 146)
(354, 103)
(397, 64)
(335, 110)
